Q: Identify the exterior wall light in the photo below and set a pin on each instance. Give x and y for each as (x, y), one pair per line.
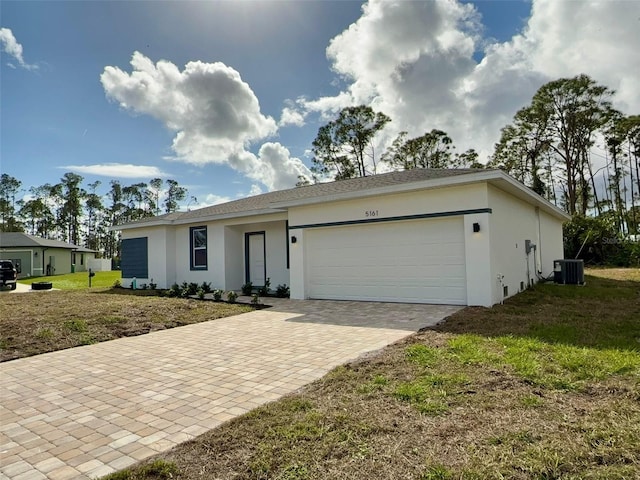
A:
(476, 227)
(294, 239)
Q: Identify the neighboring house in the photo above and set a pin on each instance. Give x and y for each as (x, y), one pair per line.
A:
(461, 237)
(37, 256)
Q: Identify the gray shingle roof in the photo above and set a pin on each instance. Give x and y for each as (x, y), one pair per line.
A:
(18, 239)
(266, 201)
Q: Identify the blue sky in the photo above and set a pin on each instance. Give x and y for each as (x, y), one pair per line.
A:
(263, 77)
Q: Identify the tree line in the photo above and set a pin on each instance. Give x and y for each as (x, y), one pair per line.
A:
(72, 212)
(549, 147)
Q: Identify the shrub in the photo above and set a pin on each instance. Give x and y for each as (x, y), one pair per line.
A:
(255, 300)
(282, 291)
(264, 291)
(598, 241)
(206, 287)
(232, 296)
(217, 294)
(247, 288)
(152, 285)
(117, 284)
(175, 291)
(201, 294)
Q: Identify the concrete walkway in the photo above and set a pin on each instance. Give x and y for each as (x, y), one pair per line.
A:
(88, 411)
(22, 288)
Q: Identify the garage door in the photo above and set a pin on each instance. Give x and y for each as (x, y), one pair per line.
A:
(419, 261)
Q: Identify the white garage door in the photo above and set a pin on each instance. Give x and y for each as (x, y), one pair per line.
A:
(420, 261)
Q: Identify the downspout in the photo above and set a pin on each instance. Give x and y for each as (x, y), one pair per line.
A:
(44, 269)
(538, 250)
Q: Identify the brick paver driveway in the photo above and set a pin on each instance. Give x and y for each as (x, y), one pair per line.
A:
(88, 411)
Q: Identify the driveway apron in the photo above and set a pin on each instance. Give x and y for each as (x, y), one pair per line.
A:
(88, 411)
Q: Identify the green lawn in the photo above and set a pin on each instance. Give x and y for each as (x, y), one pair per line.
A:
(77, 281)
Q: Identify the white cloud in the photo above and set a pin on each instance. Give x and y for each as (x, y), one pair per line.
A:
(255, 190)
(216, 115)
(11, 46)
(210, 200)
(118, 170)
(415, 62)
(291, 116)
(273, 166)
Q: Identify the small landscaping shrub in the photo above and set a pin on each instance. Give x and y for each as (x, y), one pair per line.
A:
(232, 296)
(175, 291)
(152, 285)
(201, 294)
(144, 286)
(247, 288)
(264, 291)
(217, 294)
(255, 300)
(117, 284)
(282, 291)
(206, 287)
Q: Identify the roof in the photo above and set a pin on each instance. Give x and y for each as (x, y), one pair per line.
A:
(19, 239)
(391, 182)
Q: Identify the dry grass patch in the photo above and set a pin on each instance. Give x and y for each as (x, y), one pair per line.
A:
(35, 323)
(546, 386)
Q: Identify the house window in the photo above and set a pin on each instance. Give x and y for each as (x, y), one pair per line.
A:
(82, 259)
(198, 240)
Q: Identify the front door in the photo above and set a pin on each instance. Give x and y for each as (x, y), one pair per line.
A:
(256, 268)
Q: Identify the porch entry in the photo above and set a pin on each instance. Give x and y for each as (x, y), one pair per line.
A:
(255, 256)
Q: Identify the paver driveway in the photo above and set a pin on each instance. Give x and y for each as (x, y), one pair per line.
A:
(88, 411)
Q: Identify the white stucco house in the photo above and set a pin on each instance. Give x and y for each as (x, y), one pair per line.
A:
(460, 237)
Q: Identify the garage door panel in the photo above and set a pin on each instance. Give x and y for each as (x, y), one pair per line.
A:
(409, 261)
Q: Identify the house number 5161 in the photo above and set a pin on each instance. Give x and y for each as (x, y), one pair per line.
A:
(371, 213)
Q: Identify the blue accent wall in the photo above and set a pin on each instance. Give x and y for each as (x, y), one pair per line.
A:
(135, 258)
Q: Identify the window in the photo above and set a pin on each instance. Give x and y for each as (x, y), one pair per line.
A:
(198, 240)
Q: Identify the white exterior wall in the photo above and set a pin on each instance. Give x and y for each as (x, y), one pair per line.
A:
(478, 258)
(550, 246)
(160, 255)
(214, 273)
(512, 222)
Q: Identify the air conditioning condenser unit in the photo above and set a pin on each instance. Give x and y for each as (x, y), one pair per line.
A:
(568, 272)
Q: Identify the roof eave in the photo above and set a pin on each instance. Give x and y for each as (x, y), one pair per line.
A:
(226, 216)
(198, 219)
(128, 226)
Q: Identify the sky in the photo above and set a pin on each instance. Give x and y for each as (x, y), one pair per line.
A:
(226, 97)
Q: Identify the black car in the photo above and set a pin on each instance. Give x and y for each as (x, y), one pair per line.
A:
(8, 274)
